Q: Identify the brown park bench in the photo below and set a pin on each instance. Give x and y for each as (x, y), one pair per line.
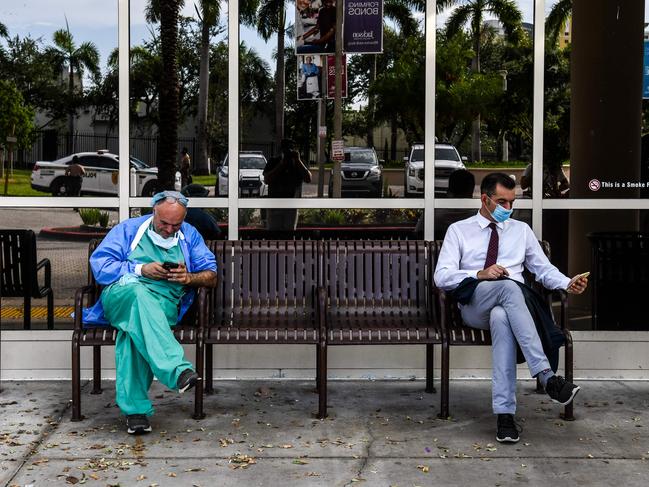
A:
(381, 293)
(457, 333)
(267, 294)
(19, 277)
(187, 333)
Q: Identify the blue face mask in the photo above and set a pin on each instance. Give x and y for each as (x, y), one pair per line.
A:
(500, 214)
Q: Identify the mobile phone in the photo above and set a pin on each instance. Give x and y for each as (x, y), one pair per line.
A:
(170, 265)
(585, 274)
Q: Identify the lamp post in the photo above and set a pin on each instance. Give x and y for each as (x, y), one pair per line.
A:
(503, 74)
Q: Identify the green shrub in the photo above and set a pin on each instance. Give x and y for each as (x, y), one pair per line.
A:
(94, 216)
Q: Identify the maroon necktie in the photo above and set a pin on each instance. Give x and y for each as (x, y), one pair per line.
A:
(492, 250)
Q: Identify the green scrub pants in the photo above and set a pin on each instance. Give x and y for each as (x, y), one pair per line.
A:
(145, 344)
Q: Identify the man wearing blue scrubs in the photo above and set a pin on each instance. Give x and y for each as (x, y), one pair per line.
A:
(144, 296)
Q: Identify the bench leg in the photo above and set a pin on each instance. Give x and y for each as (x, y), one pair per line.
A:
(96, 370)
(198, 396)
(317, 369)
(27, 319)
(322, 381)
(430, 370)
(444, 411)
(539, 388)
(76, 380)
(209, 363)
(50, 310)
(568, 412)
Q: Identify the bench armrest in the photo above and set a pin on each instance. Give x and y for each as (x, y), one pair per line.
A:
(45, 263)
(563, 317)
(321, 311)
(78, 304)
(202, 303)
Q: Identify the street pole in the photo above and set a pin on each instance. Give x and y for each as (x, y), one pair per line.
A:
(503, 73)
(338, 100)
(322, 122)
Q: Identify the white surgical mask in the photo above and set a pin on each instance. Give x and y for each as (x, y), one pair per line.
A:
(160, 241)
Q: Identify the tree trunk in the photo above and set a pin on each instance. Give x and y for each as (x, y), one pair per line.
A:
(69, 145)
(168, 125)
(394, 125)
(476, 147)
(370, 105)
(280, 81)
(200, 159)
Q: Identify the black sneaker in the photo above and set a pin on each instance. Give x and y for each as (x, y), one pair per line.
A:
(560, 390)
(508, 429)
(137, 424)
(188, 379)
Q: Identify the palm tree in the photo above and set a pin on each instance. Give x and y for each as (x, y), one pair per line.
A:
(76, 59)
(472, 12)
(269, 17)
(167, 13)
(3, 30)
(557, 18)
(209, 13)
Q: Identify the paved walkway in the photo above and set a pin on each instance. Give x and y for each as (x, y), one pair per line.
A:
(378, 434)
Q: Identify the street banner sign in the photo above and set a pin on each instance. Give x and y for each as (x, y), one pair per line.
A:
(322, 131)
(363, 27)
(310, 78)
(331, 77)
(337, 150)
(315, 26)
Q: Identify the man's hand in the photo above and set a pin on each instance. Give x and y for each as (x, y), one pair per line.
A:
(493, 272)
(155, 271)
(577, 285)
(180, 275)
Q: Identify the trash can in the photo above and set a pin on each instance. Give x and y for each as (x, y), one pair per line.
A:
(620, 280)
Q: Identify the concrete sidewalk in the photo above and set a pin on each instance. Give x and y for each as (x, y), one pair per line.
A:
(378, 434)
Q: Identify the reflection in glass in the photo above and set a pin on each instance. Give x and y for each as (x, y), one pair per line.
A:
(57, 86)
(333, 223)
(62, 237)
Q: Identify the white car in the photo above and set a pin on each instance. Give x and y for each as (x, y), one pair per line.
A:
(251, 175)
(101, 178)
(447, 160)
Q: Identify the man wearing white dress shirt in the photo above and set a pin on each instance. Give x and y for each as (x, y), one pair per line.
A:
(493, 249)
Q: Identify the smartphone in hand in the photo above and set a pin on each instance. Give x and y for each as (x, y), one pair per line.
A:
(170, 265)
(578, 276)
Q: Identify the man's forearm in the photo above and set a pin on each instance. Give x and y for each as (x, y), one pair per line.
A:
(202, 279)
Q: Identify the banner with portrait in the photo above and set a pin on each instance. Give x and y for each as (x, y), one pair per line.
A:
(310, 77)
(315, 26)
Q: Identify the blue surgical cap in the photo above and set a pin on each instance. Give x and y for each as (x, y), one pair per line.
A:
(170, 196)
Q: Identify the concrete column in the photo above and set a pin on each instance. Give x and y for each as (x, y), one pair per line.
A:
(605, 120)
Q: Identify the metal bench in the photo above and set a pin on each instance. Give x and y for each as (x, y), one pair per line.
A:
(380, 293)
(456, 333)
(267, 293)
(187, 333)
(19, 277)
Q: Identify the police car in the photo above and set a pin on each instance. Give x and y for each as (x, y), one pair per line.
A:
(101, 178)
(251, 175)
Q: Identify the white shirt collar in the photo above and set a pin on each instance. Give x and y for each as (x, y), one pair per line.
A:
(485, 222)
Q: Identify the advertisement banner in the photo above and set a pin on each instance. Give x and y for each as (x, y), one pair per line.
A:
(331, 77)
(315, 26)
(310, 78)
(645, 71)
(363, 27)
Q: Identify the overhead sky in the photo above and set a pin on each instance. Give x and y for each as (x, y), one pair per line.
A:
(96, 21)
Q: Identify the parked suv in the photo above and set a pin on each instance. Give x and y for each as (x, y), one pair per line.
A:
(361, 174)
(101, 177)
(447, 160)
(251, 179)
